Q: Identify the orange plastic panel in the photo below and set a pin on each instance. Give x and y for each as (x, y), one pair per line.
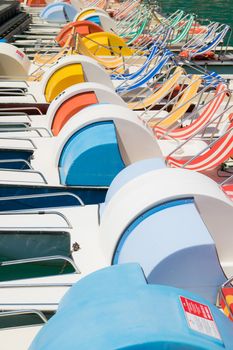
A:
(81, 27)
(70, 107)
(36, 3)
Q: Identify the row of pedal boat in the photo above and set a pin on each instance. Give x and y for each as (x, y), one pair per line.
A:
(115, 182)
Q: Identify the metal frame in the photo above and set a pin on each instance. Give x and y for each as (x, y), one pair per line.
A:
(40, 259)
(28, 171)
(20, 312)
(55, 194)
(39, 212)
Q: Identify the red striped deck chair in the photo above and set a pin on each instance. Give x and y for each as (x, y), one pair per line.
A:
(219, 151)
(208, 113)
(228, 189)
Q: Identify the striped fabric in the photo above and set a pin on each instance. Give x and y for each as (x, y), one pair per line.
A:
(220, 151)
(226, 301)
(228, 189)
(205, 117)
(210, 46)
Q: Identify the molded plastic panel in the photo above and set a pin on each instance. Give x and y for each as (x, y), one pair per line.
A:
(94, 19)
(115, 308)
(91, 156)
(70, 107)
(82, 27)
(173, 246)
(63, 78)
(128, 174)
(59, 12)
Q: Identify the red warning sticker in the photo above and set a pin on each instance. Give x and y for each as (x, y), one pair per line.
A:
(20, 54)
(199, 317)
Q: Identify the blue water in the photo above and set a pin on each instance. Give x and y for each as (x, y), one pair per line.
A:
(217, 10)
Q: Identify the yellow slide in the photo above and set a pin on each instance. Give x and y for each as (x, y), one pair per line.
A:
(181, 107)
(159, 94)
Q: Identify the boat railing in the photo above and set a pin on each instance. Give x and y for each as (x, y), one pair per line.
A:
(18, 160)
(16, 79)
(12, 90)
(21, 312)
(26, 128)
(34, 147)
(39, 259)
(10, 111)
(44, 181)
(20, 93)
(34, 285)
(44, 195)
(4, 124)
(37, 212)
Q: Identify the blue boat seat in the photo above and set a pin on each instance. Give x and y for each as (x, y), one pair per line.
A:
(59, 12)
(94, 19)
(177, 248)
(91, 157)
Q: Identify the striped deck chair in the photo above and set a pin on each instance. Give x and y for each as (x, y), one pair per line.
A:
(123, 88)
(183, 31)
(151, 56)
(218, 152)
(136, 74)
(228, 189)
(159, 94)
(211, 45)
(181, 107)
(138, 32)
(198, 124)
(125, 9)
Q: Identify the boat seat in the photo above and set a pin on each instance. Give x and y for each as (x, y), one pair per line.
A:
(106, 44)
(70, 107)
(59, 12)
(82, 27)
(62, 78)
(91, 156)
(154, 230)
